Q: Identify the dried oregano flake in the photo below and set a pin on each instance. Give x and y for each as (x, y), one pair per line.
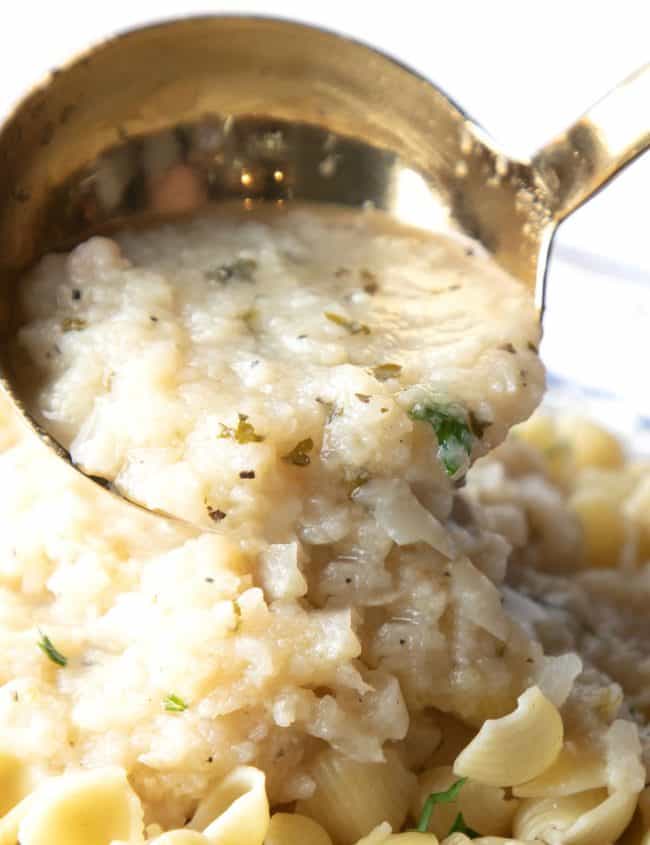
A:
(298, 455)
(383, 372)
(242, 269)
(353, 326)
(244, 433)
(73, 324)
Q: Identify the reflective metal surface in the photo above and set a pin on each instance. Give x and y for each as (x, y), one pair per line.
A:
(172, 118)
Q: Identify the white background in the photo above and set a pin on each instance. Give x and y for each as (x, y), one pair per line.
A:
(524, 70)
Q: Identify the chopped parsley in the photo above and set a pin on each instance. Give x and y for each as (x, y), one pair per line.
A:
(73, 324)
(47, 647)
(298, 455)
(244, 433)
(438, 798)
(174, 703)
(353, 326)
(241, 268)
(386, 371)
(459, 826)
(451, 427)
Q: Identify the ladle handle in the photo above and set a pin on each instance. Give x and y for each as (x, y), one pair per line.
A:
(575, 165)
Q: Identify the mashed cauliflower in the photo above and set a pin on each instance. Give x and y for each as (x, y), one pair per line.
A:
(306, 391)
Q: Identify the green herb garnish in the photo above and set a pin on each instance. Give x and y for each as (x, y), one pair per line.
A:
(451, 428)
(298, 455)
(353, 326)
(174, 703)
(74, 324)
(385, 371)
(244, 433)
(438, 798)
(459, 826)
(47, 647)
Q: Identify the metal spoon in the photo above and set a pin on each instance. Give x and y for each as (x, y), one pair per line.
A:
(259, 109)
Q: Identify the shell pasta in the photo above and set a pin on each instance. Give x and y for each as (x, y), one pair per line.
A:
(235, 811)
(516, 748)
(351, 798)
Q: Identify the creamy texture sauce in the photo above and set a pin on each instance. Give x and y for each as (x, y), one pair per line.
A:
(327, 327)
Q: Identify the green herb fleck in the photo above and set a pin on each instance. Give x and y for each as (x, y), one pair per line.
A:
(241, 268)
(244, 433)
(449, 423)
(353, 326)
(386, 371)
(438, 798)
(74, 324)
(174, 703)
(298, 455)
(459, 826)
(47, 647)
(215, 514)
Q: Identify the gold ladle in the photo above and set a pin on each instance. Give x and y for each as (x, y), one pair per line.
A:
(251, 109)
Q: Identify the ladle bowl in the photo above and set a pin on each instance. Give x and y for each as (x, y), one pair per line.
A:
(253, 109)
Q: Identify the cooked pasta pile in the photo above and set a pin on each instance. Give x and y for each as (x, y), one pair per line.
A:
(354, 637)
